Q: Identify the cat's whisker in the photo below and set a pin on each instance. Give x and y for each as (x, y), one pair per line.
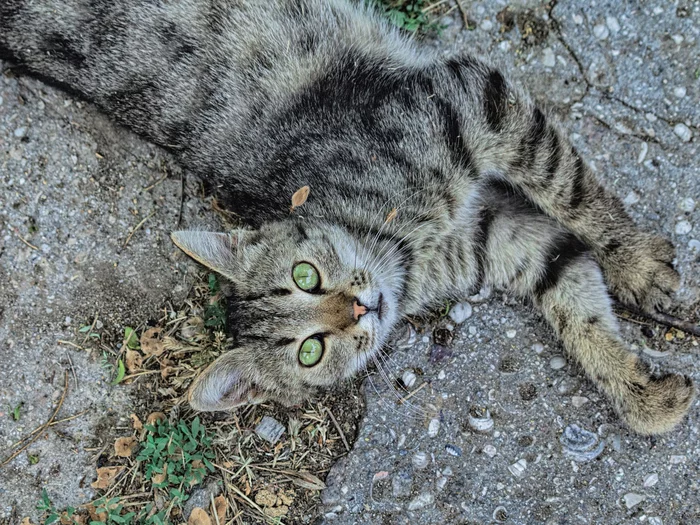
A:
(399, 398)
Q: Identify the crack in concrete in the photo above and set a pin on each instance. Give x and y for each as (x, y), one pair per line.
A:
(556, 28)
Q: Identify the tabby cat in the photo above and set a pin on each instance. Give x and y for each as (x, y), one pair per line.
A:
(430, 177)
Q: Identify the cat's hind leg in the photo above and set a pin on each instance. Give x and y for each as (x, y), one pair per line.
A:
(534, 256)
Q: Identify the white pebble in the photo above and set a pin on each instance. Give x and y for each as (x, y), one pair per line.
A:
(687, 205)
(678, 39)
(578, 19)
(643, 153)
(674, 460)
(651, 117)
(632, 499)
(460, 312)
(655, 520)
(408, 378)
(510, 334)
(579, 401)
(683, 227)
(518, 468)
(612, 24)
(658, 10)
(20, 132)
(421, 501)
(505, 45)
(683, 132)
(490, 450)
(433, 427)
(442, 375)
(632, 197)
(694, 245)
(679, 91)
(487, 25)
(538, 348)
(548, 58)
(270, 429)
(651, 480)
(420, 460)
(557, 362)
(601, 32)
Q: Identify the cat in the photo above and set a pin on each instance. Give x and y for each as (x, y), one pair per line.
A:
(429, 177)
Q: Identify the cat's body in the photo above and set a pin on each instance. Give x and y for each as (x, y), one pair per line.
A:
(430, 177)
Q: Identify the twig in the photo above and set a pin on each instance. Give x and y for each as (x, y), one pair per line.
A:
(25, 241)
(72, 368)
(340, 430)
(410, 395)
(43, 427)
(137, 227)
(92, 327)
(462, 10)
(142, 373)
(61, 342)
(214, 509)
(51, 425)
(155, 183)
(664, 319)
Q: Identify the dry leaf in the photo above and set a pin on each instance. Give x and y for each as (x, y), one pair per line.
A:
(105, 477)
(94, 515)
(160, 478)
(220, 506)
(199, 517)
(300, 197)
(392, 215)
(155, 417)
(134, 360)
(124, 447)
(26, 521)
(151, 343)
(265, 498)
(166, 371)
(136, 422)
(305, 479)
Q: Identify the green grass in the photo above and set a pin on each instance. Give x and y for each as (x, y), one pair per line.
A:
(215, 313)
(407, 14)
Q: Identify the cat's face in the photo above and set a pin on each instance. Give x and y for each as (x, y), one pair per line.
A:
(310, 307)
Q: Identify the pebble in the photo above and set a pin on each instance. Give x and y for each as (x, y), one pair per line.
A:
(0, 101)
(687, 205)
(270, 429)
(683, 132)
(408, 379)
(481, 422)
(601, 32)
(472, 330)
(632, 499)
(580, 444)
(486, 25)
(420, 460)
(674, 460)
(567, 385)
(538, 348)
(510, 334)
(678, 39)
(518, 468)
(578, 19)
(694, 245)
(557, 362)
(460, 312)
(683, 227)
(489, 450)
(401, 483)
(442, 375)
(655, 520)
(433, 427)
(548, 58)
(640, 158)
(440, 482)
(500, 514)
(612, 24)
(651, 480)
(453, 450)
(421, 501)
(20, 132)
(579, 401)
(679, 91)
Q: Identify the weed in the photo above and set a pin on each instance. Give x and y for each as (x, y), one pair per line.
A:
(214, 314)
(33, 458)
(53, 515)
(87, 329)
(410, 15)
(15, 412)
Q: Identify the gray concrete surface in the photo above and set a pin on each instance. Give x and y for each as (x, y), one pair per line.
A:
(621, 78)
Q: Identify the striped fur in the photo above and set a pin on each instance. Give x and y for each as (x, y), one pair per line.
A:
(262, 97)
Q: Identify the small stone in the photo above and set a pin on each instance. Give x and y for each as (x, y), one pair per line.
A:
(612, 24)
(20, 132)
(442, 375)
(421, 501)
(486, 25)
(683, 132)
(489, 450)
(679, 91)
(401, 483)
(683, 227)
(654, 520)
(642, 155)
(473, 330)
(460, 312)
(632, 197)
(674, 460)
(678, 39)
(548, 58)
(420, 460)
(408, 379)
(447, 471)
(510, 334)
(500, 514)
(270, 429)
(601, 32)
(538, 348)
(651, 480)
(0, 101)
(579, 401)
(557, 362)
(518, 468)
(687, 205)
(453, 450)
(694, 245)
(632, 499)
(578, 19)
(433, 427)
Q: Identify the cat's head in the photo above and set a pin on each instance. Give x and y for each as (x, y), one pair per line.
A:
(310, 306)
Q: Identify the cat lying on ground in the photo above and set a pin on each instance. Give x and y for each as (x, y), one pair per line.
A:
(430, 177)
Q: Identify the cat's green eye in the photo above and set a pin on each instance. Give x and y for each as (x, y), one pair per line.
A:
(311, 351)
(306, 276)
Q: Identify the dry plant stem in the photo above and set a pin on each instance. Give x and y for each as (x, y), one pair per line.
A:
(213, 509)
(25, 241)
(463, 11)
(664, 319)
(92, 327)
(413, 393)
(340, 430)
(138, 226)
(155, 183)
(51, 425)
(69, 343)
(39, 432)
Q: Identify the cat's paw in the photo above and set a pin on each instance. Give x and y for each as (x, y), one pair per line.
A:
(659, 405)
(640, 273)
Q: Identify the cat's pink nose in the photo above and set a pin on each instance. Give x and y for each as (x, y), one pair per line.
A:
(358, 310)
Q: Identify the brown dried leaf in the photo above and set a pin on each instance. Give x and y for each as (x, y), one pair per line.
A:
(26, 521)
(199, 516)
(94, 515)
(105, 477)
(136, 422)
(266, 498)
(155, 417)
(124, 446)
(160, 478)
(220, 506)
(305, 479)
(151, 343)
(134, 360)
(166, 371)
(300, 197)
(391, 215)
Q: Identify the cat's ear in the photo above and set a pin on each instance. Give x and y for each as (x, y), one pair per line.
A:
(214, 250)
(222, 387)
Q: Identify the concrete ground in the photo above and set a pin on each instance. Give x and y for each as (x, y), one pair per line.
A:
(622, 79)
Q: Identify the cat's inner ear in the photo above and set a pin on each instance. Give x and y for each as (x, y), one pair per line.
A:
(222, 387)
(214, 250)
